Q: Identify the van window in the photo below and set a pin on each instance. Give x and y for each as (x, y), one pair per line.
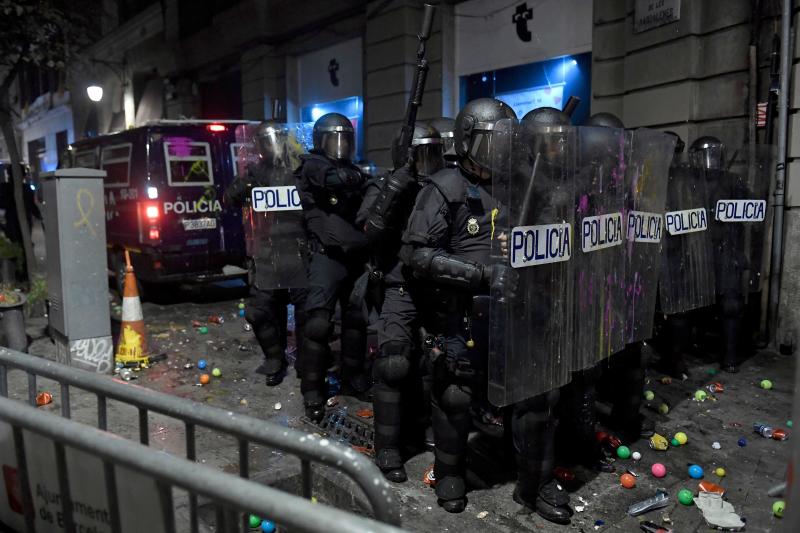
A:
(188, 162)
(116, 161)
(86, 159)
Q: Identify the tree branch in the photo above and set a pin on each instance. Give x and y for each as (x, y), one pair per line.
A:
(9, 79)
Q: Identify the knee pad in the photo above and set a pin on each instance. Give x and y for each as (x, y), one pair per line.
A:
(257, 315)
(732, 304)
(318, 327)
(455, 399)
(394, 363)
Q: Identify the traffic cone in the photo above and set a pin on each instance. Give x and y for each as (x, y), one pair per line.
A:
(132, 346)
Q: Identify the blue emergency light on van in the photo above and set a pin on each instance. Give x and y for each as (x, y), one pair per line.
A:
(163, 200)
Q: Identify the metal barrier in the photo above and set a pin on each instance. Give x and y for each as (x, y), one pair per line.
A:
(238, 494)
(244, 428)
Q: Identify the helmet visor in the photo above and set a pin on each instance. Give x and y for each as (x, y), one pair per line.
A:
(338, 144)
(709, 157)
(270, 143)
(480, 148)
(428, 157)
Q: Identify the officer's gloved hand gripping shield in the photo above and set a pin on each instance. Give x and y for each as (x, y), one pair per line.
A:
(531, 310)
(266, 155)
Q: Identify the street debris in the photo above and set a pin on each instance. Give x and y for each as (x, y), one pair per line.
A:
(707, 486)
(482, 514)
(716, 445)
(278, 406)
(658, 442)
(657, 501)
(715, 388)
(43, 398)
(717, 512)
(365, 413)
(651, 527)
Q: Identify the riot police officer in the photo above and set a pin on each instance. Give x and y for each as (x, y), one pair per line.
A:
(331, 190)
(276, 249)
(402, 392)
(445, 127)
(448, 242)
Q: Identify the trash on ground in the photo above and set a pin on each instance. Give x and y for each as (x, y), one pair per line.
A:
(716, 445)
(278, 406)
(43, 398)
(657, 501)
(365, 413)
(652, 527)
(717, 512)
(779, 434)
(707, 486)
(482, 514)
(658, 442)
(428, 478)
(763, 430)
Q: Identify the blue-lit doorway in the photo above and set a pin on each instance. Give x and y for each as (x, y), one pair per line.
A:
(352, 108)
(544, 83)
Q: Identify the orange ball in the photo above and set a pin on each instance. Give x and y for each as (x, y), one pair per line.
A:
(627, 481)
(205, 379)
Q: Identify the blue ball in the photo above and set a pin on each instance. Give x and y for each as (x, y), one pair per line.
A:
(742, 442)
(695, 472)
(267, 526)
(202, 364)
(241, 312)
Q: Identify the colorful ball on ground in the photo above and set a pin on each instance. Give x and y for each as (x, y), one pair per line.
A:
(254, 521)
(700, 395)
(636, 456)
(681, 438)
(695, 472)
(742, 442)
(649, 395)
(720, 472)
(627, 481)
(675, 442)
(241, 305)
(778, 508)
(241, 312)
(766, 384)
(663, 408)
(205, 379)
(658, 470)
(202, 364)
(788, 423)
(623, 452)
(216, 372)
(203, 330)
(267, 527)
(685, 496)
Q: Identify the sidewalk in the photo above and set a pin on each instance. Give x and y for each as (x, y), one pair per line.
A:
(751, 470)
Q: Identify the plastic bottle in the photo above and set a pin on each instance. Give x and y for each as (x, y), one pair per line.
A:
(763, 430)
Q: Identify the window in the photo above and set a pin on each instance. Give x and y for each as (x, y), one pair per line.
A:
(188, 163)
(61, 147)
(116, 161)
(86, 159)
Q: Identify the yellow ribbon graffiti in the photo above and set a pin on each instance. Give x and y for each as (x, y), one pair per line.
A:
(84, 195)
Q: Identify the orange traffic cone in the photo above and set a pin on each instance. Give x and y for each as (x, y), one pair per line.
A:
(132, 346)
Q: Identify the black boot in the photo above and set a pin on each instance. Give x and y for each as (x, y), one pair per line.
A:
(451, 492)
(315, 408)
(391, 464)
(550, 501)
(274, 370)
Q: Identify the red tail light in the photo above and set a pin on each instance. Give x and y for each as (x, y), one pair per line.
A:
(155, 234)
(151, 212)
(216, 128)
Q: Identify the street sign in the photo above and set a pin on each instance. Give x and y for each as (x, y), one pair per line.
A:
(651, 14)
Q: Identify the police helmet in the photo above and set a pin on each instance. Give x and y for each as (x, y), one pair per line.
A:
(271, 141)
(605, 120)
(707, 152)
(473, 134)
(334, 136)
(446, 126)
(546, 116)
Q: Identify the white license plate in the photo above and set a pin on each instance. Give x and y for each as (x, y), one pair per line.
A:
(199, 223)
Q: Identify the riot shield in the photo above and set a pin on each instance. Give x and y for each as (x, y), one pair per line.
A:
(646, 176)
(273, 219)
(738, 201)
(686, 280)
(531, 317)
(599, 261)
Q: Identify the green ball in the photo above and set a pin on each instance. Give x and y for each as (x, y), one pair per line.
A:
(766, 384)
(788, 423)
(254, 521)
(649, 395)
(216, 372)
(778, 507)
(241, 305)
(623, 452)
(685, 496)
(663, 408)
(700, 395)
(203, 330)
(675, 442)
(711, 371)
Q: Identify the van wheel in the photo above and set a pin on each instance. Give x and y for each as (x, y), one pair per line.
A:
(119, 269)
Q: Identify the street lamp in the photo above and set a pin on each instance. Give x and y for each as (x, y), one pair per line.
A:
(95, 92)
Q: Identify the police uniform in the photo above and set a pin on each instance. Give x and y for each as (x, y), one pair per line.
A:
(331, 194)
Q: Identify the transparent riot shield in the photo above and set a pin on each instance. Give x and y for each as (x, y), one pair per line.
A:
(599, 262)
(686, 280)
(646, 176)
(531, 315)
(739, 201)
(275, 237)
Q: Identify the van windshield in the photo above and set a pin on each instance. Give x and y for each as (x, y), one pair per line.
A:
(188, 162)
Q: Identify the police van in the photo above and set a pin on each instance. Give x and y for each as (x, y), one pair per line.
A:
(163, 200)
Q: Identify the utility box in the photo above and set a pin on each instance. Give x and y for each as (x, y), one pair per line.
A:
(77, 276)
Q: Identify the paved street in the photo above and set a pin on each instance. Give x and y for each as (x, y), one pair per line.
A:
(599, 499)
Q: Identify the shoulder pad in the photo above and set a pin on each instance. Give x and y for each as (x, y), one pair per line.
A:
(451, 184)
